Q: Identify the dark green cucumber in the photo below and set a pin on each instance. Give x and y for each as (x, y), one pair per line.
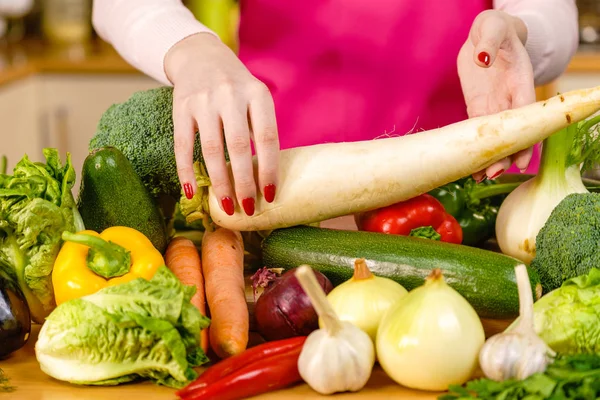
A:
(112, 194)
(484, 278)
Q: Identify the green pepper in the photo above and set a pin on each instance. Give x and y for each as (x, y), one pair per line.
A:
(475, 206)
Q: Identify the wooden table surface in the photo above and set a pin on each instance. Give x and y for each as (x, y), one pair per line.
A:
(32, 384)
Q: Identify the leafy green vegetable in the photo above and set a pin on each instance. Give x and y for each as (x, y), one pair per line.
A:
(569, 377)
(137, 330)
(568, 318)
(36, 206)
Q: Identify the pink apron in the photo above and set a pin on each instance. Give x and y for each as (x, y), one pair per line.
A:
(348, 70)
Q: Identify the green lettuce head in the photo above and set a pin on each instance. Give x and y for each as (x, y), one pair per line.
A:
(568, 318)
(36, 206)
(137, 330)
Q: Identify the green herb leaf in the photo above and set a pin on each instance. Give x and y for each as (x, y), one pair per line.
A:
(568, 377)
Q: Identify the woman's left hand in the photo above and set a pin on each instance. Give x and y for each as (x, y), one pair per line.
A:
(496, 74)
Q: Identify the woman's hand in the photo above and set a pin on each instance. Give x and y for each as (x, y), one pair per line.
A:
(496, 74)
(217, 96)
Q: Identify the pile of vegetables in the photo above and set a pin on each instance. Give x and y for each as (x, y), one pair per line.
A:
(124, 295)
(36, 206)
(525, 211)
(138, 329)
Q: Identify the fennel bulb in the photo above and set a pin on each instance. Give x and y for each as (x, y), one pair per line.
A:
(525, 211)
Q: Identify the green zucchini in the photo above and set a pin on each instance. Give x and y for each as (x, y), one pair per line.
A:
(484, 278)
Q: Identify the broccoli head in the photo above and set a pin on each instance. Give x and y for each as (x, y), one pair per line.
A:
(568, 245)
(142, 128)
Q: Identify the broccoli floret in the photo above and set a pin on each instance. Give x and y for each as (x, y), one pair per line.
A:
(142, 128)
(569, 243)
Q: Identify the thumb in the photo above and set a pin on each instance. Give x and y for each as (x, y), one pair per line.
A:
(488, 32)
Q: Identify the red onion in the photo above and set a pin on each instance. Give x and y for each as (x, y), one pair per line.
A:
(284, 310)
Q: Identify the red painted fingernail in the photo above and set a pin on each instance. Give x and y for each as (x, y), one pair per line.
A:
(497, 174)
(481, 179)
(187, 188)
(248, 205)
(227, 205)
(484, 58)
(269, 193)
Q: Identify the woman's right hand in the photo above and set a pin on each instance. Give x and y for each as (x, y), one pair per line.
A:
(216, 95)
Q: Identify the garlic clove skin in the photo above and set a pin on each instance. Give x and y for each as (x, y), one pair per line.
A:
(340, 363)
(513, 356)
(517, 353)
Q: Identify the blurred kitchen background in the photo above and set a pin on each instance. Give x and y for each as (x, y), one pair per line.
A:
(57, 77)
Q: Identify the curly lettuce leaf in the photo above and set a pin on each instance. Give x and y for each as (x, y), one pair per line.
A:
(137, 330)
(164, 298)
(568, 318)
(36, 206)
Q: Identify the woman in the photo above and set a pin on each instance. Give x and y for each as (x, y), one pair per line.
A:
(336, 70)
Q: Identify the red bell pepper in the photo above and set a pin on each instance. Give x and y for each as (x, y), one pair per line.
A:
(419, 212)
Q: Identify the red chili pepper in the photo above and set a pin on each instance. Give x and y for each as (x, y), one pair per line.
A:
(261, 353)
(273, 373)
(401, 218)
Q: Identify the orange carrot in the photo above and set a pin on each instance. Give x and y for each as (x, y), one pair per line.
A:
(223, 269)
(183, 260)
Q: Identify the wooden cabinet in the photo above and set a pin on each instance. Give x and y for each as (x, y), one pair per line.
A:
(576, 80)
(59, 110)
(71, 106)
(18, 122)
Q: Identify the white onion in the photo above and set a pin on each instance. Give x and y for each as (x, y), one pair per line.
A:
(431, 338)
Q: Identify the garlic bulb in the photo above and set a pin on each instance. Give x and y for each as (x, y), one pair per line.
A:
(338, 357)
(431, 338)
(519, 352)
(364, 298)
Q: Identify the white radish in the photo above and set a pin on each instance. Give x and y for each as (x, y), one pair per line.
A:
(330, 180)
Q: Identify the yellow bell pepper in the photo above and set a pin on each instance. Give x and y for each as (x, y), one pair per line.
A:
(89, 261)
